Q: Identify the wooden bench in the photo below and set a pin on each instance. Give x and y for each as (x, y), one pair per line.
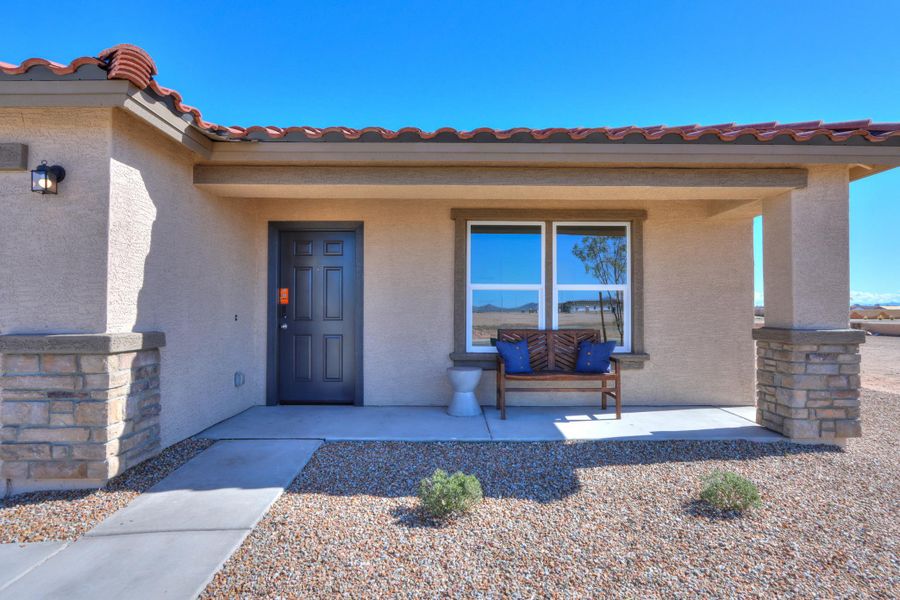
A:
(553, 354)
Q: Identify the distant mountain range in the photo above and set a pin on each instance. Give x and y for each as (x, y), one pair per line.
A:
(530, 307)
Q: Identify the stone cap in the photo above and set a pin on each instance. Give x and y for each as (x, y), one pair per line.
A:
(81, 343)
(810, 336)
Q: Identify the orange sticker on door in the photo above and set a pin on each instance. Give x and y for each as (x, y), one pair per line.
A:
(283, 296)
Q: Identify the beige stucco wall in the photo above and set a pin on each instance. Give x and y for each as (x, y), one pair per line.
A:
(53, 248)
(806, 250)
(129, 244)
(184, 262)
(698, 298)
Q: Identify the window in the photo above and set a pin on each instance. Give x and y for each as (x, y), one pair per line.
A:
(591, 263)
(505, 286)
(507, 271)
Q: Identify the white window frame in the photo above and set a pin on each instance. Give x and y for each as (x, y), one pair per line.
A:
(540, 288)
(625, 288)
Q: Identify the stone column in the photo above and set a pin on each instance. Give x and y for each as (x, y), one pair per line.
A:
(807, 356)
(77, 410)
(807, 383)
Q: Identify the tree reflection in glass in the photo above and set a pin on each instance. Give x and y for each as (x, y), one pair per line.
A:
(600, 256)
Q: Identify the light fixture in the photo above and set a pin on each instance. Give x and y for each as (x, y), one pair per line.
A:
(45, 180)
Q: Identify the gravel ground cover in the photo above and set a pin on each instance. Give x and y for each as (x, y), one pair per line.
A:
(43, 516)
(585, 520)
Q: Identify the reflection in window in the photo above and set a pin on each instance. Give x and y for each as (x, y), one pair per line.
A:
(591, 254)
(592, 282)
(506, 280)
(506, 254)
(502, 309)
(600, 310)
(507, 274)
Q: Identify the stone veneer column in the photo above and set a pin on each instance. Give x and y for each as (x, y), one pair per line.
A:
(76, 410)
(807, 383)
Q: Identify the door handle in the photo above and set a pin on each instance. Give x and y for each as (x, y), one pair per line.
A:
(283, 326)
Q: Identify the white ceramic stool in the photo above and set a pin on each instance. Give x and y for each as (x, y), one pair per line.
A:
(464, 380)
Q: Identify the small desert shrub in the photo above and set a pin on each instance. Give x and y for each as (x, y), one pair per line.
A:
(729, 491)
(445, 496)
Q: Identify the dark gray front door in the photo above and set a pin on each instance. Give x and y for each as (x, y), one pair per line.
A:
(317, 327)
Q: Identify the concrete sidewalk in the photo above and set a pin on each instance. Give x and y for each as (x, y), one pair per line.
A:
(172, 539)
(18, 559)
(432, 423)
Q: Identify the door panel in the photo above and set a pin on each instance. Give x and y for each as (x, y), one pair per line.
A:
(303, 289)
(334, 358)
(302, 358)
(317, 328)
(334, 294)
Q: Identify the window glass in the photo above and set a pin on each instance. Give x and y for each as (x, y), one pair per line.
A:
(506, 254)
(591, 255)
(600, 310)
(502, 309)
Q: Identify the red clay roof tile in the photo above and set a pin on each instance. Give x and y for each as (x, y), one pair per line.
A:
(127, 61)
(131, 63)
(55, 68)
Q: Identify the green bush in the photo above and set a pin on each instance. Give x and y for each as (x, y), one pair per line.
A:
(729, 491)
(445, 496)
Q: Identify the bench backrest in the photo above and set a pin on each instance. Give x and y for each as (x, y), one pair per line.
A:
(551, 350)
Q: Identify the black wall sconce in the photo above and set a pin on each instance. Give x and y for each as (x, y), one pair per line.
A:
(45, 180)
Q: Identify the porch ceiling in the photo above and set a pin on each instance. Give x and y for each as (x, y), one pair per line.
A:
(497, 182)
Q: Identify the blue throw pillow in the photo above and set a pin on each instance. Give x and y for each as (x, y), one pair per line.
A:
(593, 357)
(515, 356)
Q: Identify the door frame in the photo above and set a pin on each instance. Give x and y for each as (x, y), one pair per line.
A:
(276, 229)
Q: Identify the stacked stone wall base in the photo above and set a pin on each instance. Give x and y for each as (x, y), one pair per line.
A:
(808, 383)
(75, 411)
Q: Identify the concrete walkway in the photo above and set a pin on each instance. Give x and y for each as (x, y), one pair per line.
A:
(172, 539)
(423, 423)
(18, 559)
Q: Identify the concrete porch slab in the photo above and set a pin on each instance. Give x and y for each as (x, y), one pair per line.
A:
(644, 423)
(18, 559)
(340, 423)
(745, 412)
(420, 423)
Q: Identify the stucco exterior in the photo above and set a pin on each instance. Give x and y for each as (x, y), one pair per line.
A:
(183, 262)
(165, 255)
(131, 245)
(698, 284)
(53, 272)
(138, 241)
(131, 300)
(807, 277)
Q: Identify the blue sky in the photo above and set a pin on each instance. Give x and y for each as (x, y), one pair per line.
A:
(505, 64)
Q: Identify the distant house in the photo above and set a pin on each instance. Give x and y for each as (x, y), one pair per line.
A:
(580, 306)
(877, 312)
(892, 309)
(174, 272)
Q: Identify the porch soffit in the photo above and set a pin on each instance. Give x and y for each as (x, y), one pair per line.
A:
(497, 182)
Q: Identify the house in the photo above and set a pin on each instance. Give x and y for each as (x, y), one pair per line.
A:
(877, 312)
(184, 271)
